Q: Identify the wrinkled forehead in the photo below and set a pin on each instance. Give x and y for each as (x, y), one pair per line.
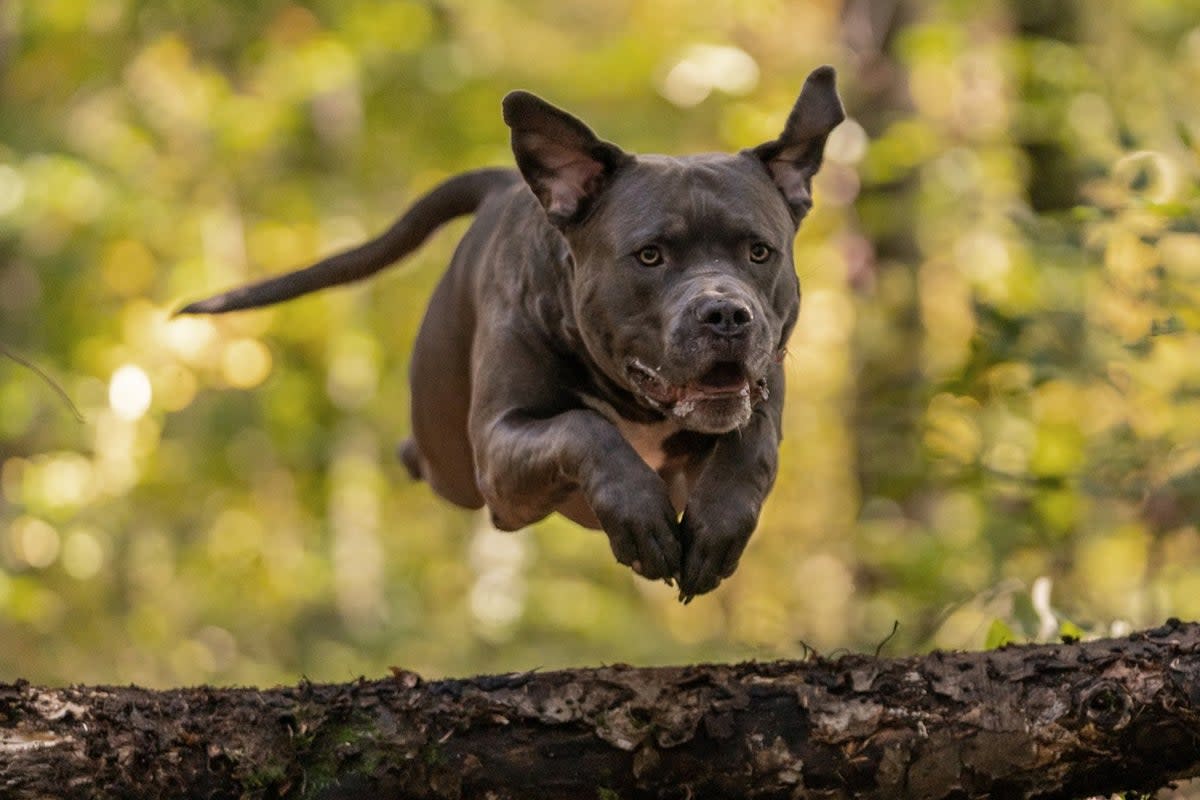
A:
(693, 197)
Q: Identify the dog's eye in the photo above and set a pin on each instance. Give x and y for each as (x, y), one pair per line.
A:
(760, 252)
(650, 256)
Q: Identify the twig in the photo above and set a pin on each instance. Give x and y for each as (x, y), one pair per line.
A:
(53, 384)
(888, 638)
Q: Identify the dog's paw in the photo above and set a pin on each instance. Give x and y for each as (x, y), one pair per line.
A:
(642, 529)
(713, 542)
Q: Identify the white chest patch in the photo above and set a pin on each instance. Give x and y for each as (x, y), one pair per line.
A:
(645, 438)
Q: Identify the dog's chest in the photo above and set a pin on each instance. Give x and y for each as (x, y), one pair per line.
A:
(645, 438)
(648, 440)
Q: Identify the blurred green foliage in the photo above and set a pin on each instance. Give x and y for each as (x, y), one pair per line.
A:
(993, 421)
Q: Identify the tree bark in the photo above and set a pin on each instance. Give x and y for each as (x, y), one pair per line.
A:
(1029, 721)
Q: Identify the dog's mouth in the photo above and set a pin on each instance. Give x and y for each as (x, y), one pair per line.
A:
(724, 378)
(722, 381)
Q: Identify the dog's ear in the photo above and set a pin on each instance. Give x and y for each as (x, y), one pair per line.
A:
(795, 156)
(565, 164)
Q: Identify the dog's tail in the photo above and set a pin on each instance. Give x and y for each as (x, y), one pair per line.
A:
(455, 197)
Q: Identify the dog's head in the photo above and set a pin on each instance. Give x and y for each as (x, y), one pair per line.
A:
(682, 281)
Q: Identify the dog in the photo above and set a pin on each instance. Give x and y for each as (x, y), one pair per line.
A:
(607, 341)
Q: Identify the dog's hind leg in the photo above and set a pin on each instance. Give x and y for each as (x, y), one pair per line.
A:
(410, 457)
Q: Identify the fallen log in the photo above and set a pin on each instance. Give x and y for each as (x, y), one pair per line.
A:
(1052, 721)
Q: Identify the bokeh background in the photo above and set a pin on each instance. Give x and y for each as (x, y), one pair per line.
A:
(993, 421)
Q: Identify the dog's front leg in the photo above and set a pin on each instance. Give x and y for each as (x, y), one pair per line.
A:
(527, 466)
(724, 504)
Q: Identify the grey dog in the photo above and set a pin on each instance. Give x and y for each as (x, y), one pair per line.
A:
(607, 341)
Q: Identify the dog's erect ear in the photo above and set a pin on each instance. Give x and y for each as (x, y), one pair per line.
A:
(795, 156)
(564, 163)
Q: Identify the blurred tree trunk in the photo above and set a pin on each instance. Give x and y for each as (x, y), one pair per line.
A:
(890, 390)
(888, 401)
(1053, 183)
(1031, 721)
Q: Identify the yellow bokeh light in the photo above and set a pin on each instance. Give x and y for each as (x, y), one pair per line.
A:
(176, 387)
(66, 480)
(705, 67)
(190, 338)
(82, 554)
(12, 189)
(129, 392)
(246, 363)
(847, 143)
(1114, 566)
(33, 542)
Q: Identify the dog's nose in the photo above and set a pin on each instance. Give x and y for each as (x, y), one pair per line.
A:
(724, 316)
